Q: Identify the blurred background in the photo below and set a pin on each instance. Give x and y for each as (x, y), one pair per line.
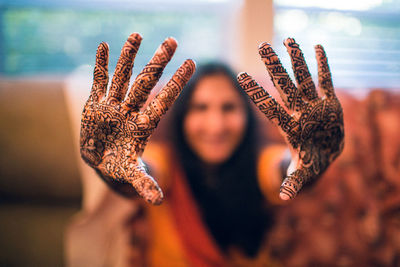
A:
(47, 53)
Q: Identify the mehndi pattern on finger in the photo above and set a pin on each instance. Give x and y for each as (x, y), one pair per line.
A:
(165, 98)
(324, 73)
(100, 74)
(123, 70)
(300, 70)
(112, 139)
(280, 78)
(149, 76)
(268, 105)
(316, 133)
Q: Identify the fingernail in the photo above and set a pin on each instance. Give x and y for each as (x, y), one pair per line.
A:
(171, 41)
(263, 45)
(284, 196)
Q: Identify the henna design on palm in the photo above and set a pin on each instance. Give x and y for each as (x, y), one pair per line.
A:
(114, 132)
(315, 129)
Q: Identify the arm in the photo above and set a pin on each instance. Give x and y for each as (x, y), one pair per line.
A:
(114, 132)
(312, 125)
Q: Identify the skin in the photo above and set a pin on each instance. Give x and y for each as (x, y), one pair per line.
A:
(215, 123)
(114, 132)
(311, 124)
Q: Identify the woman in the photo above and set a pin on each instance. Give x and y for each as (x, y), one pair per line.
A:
(215, 147)
(215, 139)
(214, 213)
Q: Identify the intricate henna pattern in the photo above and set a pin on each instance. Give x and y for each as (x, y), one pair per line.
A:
(119, 83)
(113, 132)
(143, 85)
(315, 130)
(300, 69)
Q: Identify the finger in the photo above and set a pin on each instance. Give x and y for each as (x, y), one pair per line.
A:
(282, 82)
(292, 184)
(146, 186)
(268, 105)
(300, 69)
(324, 73)
(166, 97)
(123, 70)
(100, 75)
(150, 74)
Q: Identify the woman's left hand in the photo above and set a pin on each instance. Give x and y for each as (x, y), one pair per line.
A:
(314, 129)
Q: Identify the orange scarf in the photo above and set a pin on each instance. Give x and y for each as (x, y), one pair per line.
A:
(200, 248)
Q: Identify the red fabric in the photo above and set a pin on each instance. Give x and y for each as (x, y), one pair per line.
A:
(351, 217)
(197, 241)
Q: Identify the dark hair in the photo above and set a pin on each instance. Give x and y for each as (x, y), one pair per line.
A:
(229, 198)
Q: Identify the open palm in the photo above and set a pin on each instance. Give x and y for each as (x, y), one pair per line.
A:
(314, 128)
(114, 132)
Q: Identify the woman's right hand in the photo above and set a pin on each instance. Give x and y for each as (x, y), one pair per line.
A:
(114, 132)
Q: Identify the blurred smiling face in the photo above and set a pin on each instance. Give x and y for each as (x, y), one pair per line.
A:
(216, 120)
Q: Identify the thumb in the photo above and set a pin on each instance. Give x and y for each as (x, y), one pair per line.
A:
(146, 186)
(292, 184)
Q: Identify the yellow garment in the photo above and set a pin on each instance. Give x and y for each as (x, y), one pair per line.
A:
(165, 247)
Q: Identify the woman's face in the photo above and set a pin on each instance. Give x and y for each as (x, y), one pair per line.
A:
(216, 120)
